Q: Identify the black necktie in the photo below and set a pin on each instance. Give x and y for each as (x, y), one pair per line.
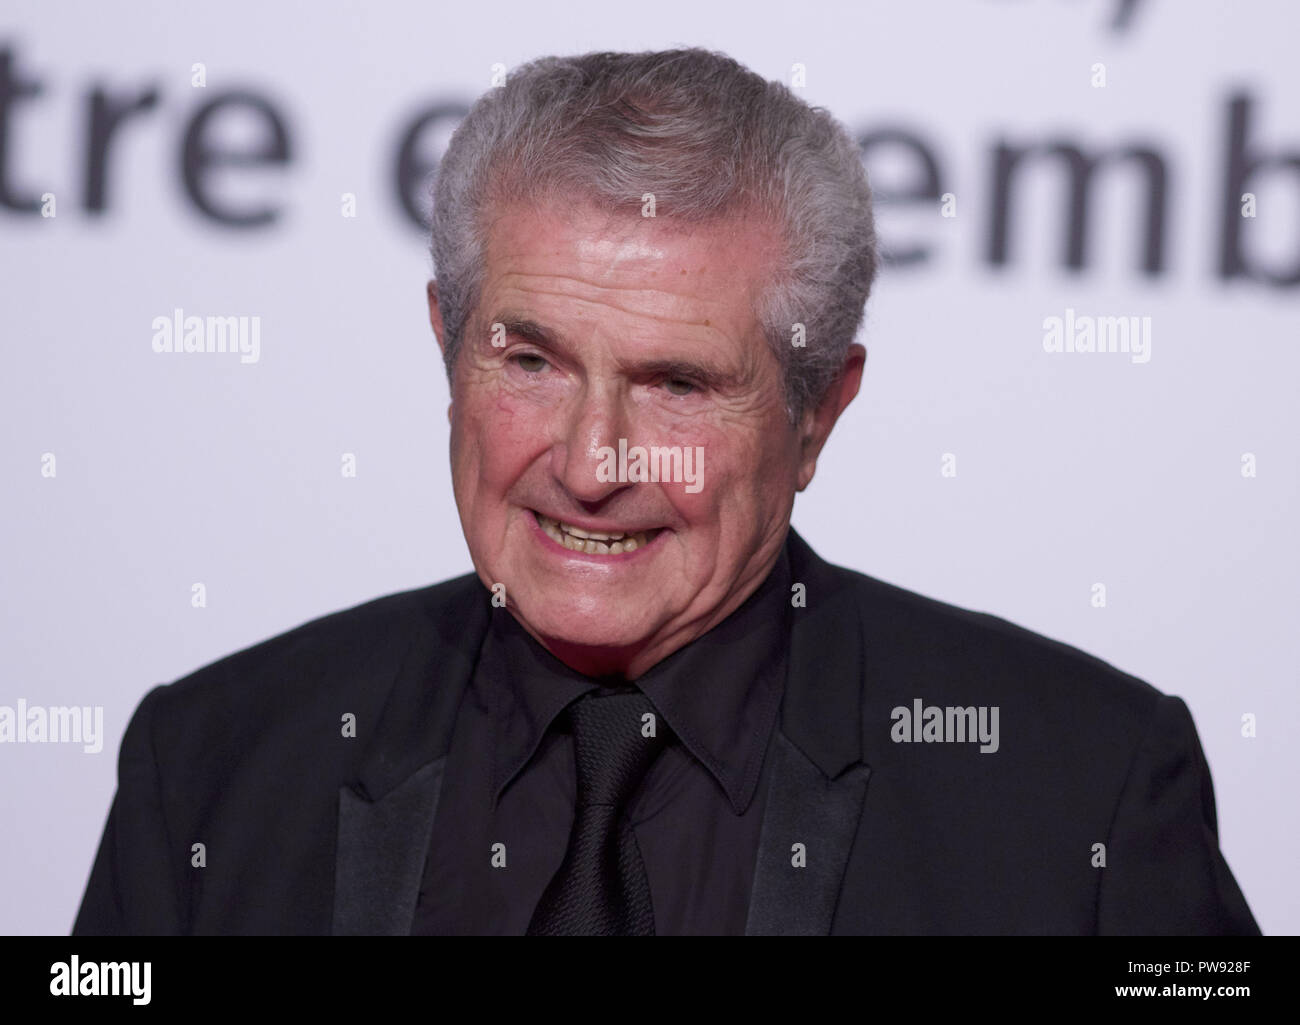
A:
(600, 888)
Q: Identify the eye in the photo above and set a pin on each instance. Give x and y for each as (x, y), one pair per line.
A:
(679, 386)
(530, 362)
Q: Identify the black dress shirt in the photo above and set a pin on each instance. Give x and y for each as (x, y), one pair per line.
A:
(510, 777)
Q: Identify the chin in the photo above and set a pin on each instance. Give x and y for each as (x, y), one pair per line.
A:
(571, 623)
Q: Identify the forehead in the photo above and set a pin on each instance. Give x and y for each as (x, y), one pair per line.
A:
(650, 265)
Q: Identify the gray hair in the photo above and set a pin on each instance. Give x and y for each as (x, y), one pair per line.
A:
(710, 140)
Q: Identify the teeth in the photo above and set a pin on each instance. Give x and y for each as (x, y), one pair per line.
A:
(593, 542)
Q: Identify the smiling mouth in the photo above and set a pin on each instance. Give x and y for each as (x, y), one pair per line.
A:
(595, 542)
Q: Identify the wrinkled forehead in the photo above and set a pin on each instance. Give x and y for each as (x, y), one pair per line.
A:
(581, 245)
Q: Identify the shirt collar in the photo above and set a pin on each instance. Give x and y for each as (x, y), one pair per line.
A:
(527, 687)
(719, 694)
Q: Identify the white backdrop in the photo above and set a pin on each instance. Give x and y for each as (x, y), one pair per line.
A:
(1072, 469)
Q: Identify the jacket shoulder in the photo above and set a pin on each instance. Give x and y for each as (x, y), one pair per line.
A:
(921, 641)
(353, 654)
(981, 637)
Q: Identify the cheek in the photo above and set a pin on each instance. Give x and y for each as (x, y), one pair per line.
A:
(743, 480)
(495, 437)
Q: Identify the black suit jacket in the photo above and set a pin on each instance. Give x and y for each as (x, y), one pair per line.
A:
(305, 830)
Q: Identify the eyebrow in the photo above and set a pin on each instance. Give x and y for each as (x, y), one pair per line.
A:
(528, 329)
(708, 374)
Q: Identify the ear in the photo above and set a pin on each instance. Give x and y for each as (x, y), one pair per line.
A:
(435, 322)
(435, 314)
(815, 425)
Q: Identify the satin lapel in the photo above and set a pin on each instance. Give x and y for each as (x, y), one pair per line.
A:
(817, 781)
(386, 815)
(381, 851)
(808, 830)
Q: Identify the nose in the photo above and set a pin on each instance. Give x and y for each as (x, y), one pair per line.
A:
(591, 424)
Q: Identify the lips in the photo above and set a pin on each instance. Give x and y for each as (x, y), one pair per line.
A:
(609, 541)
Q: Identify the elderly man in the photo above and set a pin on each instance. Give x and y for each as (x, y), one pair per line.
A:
(652, 708)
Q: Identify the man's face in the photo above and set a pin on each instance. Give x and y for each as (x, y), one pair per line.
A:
(620, 329)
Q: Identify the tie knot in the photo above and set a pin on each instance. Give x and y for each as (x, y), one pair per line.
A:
(615, 738)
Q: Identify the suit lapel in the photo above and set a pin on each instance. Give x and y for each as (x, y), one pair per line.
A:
(808, 829)
(386, 815)
(817, 781)
(381, 851)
